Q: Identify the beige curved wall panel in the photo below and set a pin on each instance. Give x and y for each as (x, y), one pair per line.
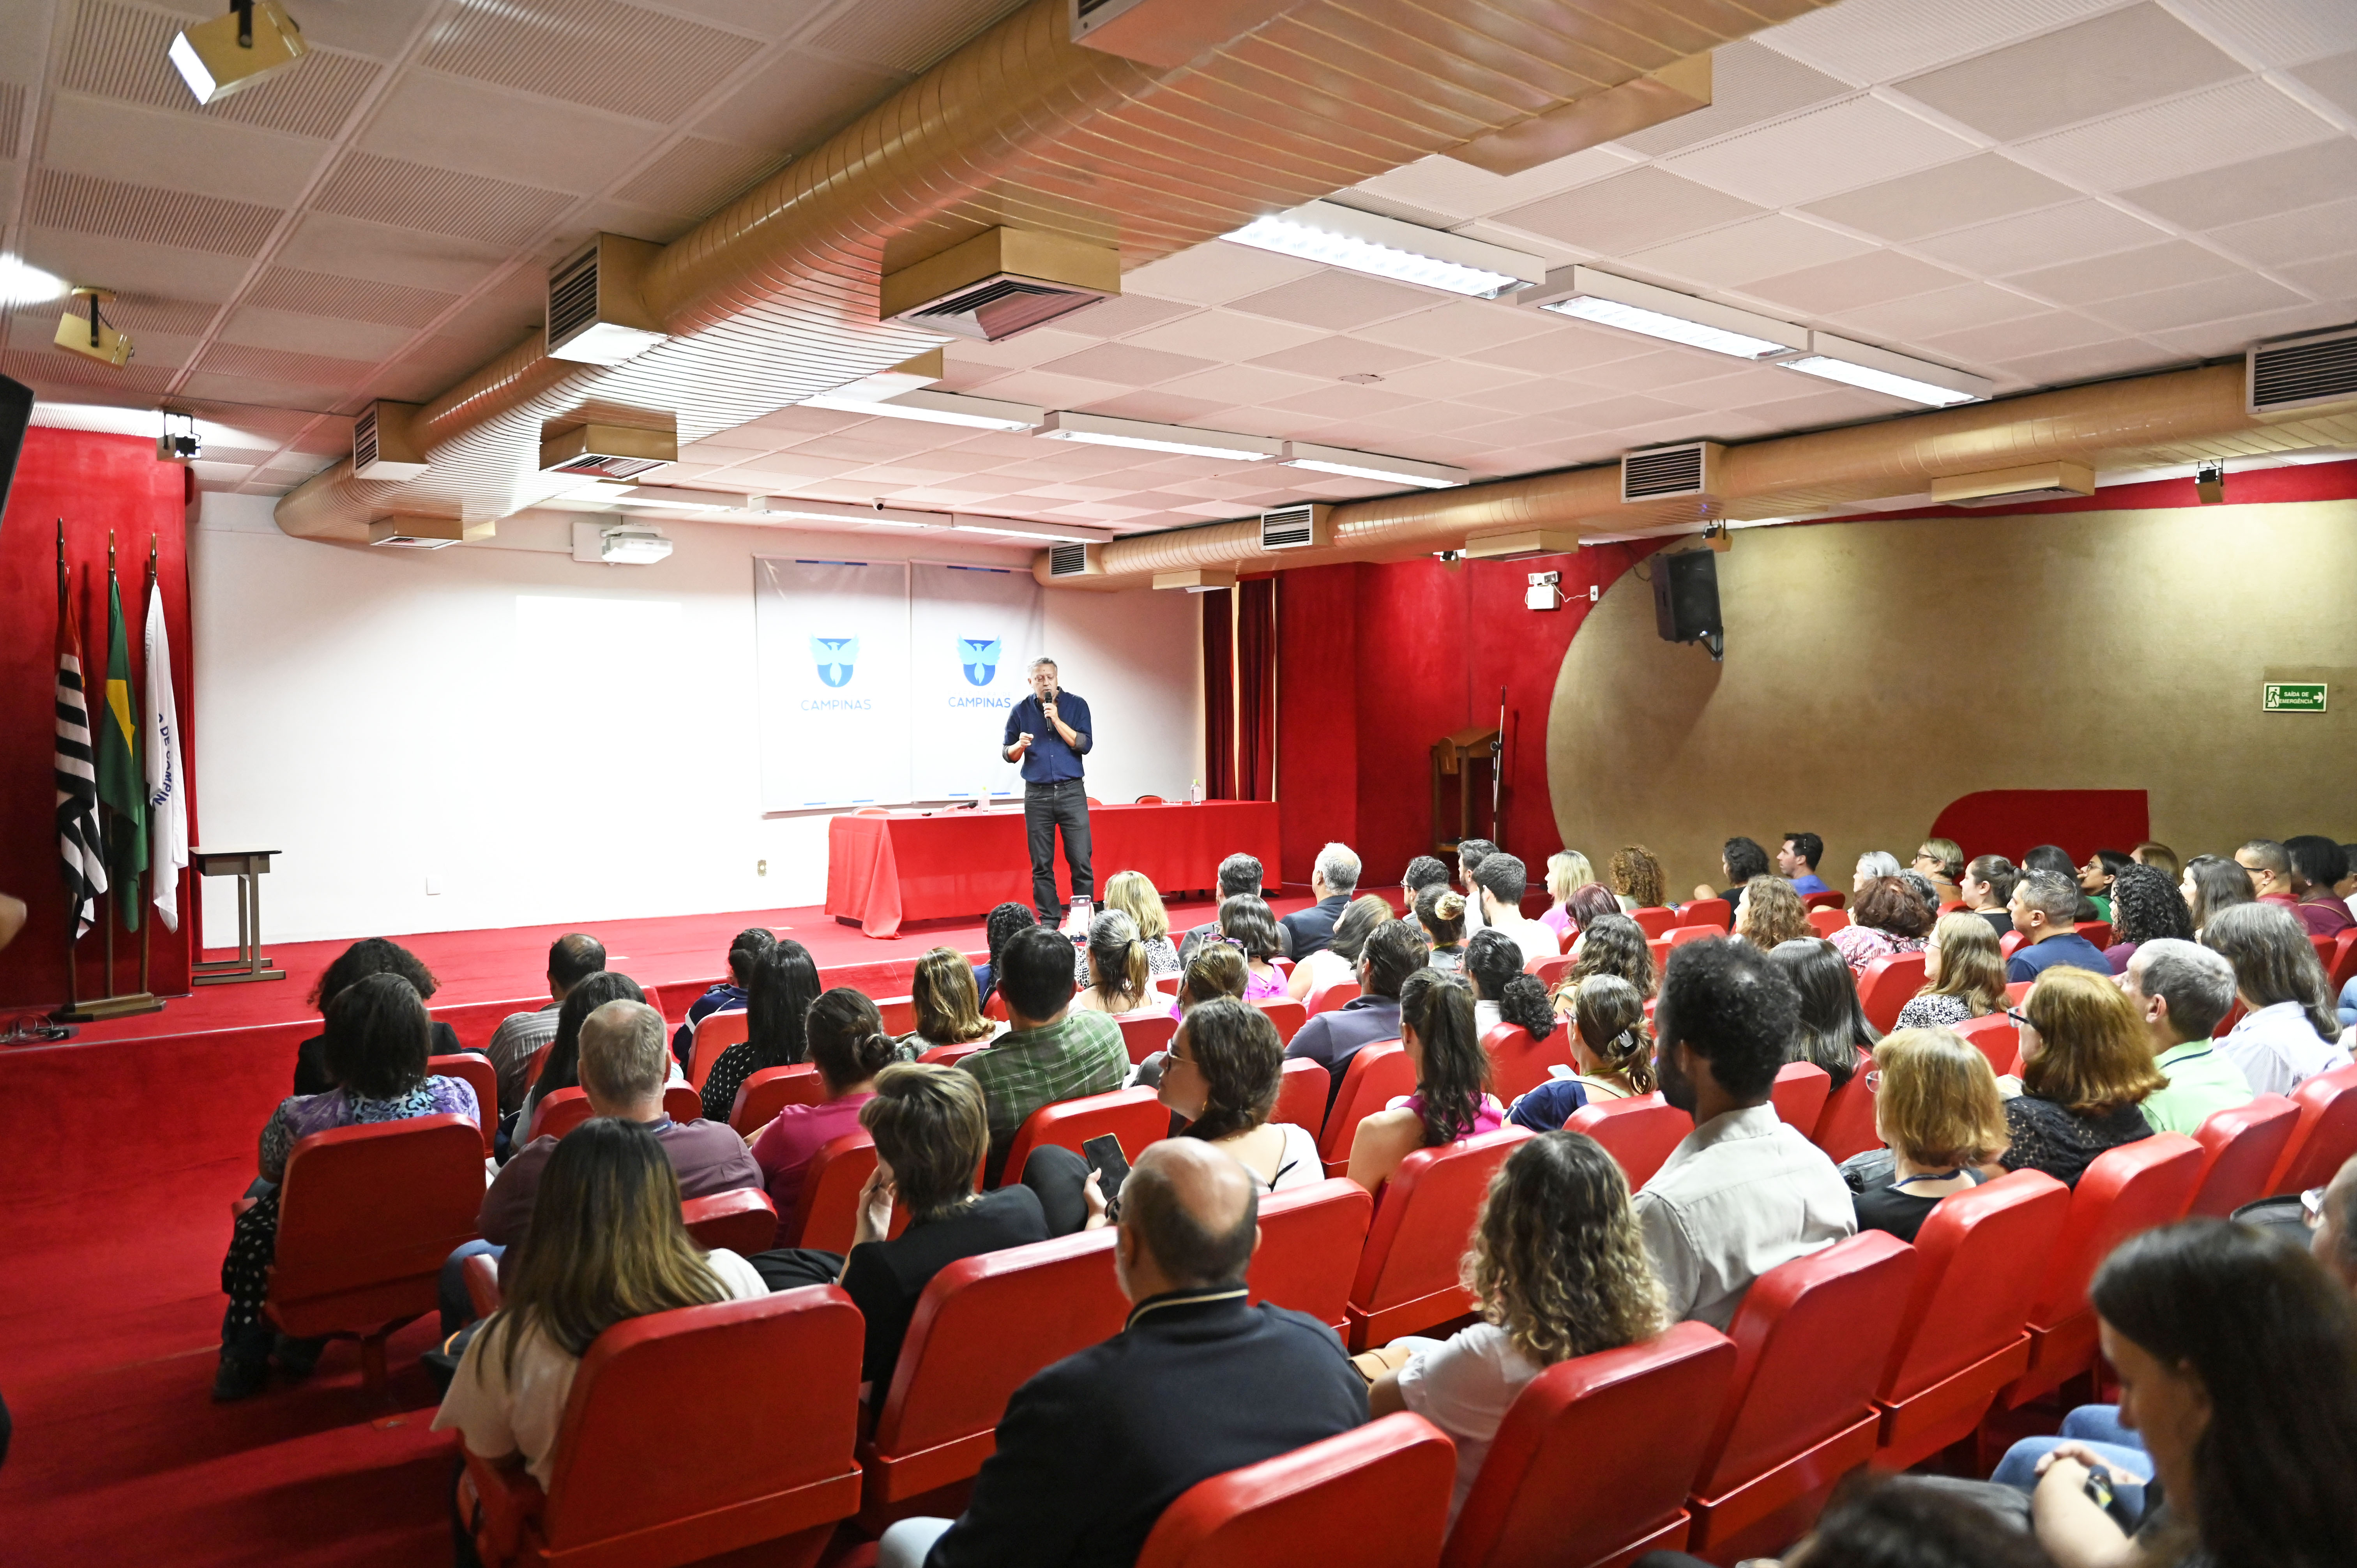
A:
(1878, 670)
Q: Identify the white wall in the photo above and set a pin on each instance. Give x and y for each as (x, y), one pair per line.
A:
(382, 718)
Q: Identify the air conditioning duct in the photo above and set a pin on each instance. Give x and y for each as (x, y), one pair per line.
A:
(2005, 487)
(1295, 527)
(608, 451)
(382, 448)
(1076, 560)
(595, 316)
(1197, 580)
(1168, 32)
(2307, 374)
(1671, 473)
(1000, 283)
(1528, 542)
(400, 532)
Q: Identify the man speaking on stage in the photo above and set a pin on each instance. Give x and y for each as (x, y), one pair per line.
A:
(1048, 732)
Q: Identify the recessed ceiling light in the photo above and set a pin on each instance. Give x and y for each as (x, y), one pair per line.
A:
(938, 408)
(1894, 375)
(1372, 466)
(1586, 295)
(1098, 430)
(228, 54)
(1369, 242)
(21, 282)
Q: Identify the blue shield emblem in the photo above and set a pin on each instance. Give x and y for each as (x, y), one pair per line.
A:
(835, 656)
(979, 658)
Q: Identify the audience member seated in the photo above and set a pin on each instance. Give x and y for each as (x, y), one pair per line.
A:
(1987, 886)
(1614, 945)
(849, 1047)
(1452, 1081)
(606, 1245)
(1134, 894)
(1937, 1108)
(2086, 1071)
(377, 1041)
(1440, 915)
(948, 1008)
(2212, 885)
(1769, 912)
(1834, 1032)
(2183, 992)
(1874, 863)
(1941, 862)
(1963, 975)
(1739, 860)
(2056, 859)
(563, 1067)
(1525, 1003)
(1796, 862)
(1216, 970)
(1338, 961)
(1424, 875)
(2345, 889)
(1558, 1268)
(1502, 882)
(2290, 1031)
(2145, 907)
(1742, 1192)
(2318, 866)
(2269, 867)
(2095, 878)
(1493, 961)
(1091, 1450)
(1119, 971)
(784, 986)
(1471, 854)
(1637, 878)
(745, 950)
(1003, 921)
(1614, 1048)
(2160, 856)
(1238, 875)
(1330, 1040)
(1926, 894)
(1332, 881)
(1885, 917)
(624, 1065)
(1568, 871)
(2041, 908)
(1247, 922)
(572, 958)
(1052, 1051)
(372, 955)
(931, 1131)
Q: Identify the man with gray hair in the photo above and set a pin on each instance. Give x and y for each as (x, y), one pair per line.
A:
(1049, 732)
(2042, 905)
(1332, 882)
(2184, 991)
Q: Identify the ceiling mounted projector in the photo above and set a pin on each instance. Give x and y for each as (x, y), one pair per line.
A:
(89, 335)
(228, 54)
(619, 543)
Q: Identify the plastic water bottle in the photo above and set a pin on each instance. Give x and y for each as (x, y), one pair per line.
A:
(1198, 792)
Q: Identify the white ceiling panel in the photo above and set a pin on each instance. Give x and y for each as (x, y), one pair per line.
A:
(1865, 41)
(1817, 154)
(1949, 195)
(1747, 84)
(2094, 68)
(1444, 185)
(457, 123)
(1761, 247)
(2042, 239)
(2304, 235)
(2280, 182)
(157, 147)
(2203, 130)
(2278, 32)
(1627, 212)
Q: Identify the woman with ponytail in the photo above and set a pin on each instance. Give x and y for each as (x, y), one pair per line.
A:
(1451, 1102)
(1614, 1050)
(1120, 974)
(849, 1046)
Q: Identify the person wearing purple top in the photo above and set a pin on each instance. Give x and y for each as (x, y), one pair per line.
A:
(1796, 862)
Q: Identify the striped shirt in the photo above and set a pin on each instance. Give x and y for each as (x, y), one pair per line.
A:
(1081, 1053)
(513, 1044)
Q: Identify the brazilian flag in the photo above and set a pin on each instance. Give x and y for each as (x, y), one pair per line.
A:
(121, 787)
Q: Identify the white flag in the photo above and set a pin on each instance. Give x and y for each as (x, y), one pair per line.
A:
(167, 786)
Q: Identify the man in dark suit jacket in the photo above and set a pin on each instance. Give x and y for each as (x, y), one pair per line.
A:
(1335, 878)
(1239, 873)
(1091, 1450)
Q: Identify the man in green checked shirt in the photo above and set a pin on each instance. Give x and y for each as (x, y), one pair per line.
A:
(1051, 1053)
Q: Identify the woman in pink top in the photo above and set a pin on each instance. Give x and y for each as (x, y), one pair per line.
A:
(849, 1046)
(1885, 917)
(1452, 1081)
(1251, 925)
(1567, 871)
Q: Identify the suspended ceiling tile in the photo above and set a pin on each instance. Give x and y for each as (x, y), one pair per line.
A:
(2335, 77)
(1227, 334)
(1443, 185)
(1565, 348)
(2098, 66)
(1762, 247)
(2259, 188)
(1125, 364)
(794, 100)
(120, 52)
(1427, 420)
(1122, 316)
(2095, 362)
(1452, 378)
(1215, 274)
(1236, 384)
(145, 313)
(1535, 397)
(2163, 265)
(149, 147)
(1862, 280)
(765, 19)
(1345, 401)
(357, 299)
(1333, 358)
(1160, 404)
(1460, 328)
(442, 201)
(451, 123)
(313, 334)
(1020, 353)
(1826, 150)
(1943, 310)
(1653, 371)
(2217, 340)
(2187, 304)
(2300, 236)
(909, 36)
(1044, 389)
(118, 210)
(2222, 125)
(406, 258)
(566, 49)
(1865, 41)
(2278, 32)
(1336, 300)
(1970, 191)
(2041, 238)
(1748, 84)
(1629, 211)
(378, 30)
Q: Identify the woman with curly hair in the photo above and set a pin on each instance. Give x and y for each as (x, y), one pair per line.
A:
(369, 955)
(1614, 945)
(1003, 921)
(1559, 1268)
(1452, 1099)
(1885, 917)
(1770, 912)
(1637, 878)
(2145, 907)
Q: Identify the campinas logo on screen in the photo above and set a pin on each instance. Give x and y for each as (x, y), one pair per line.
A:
(835, 657)
(980, 658)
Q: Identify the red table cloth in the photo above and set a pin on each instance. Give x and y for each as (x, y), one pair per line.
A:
(946, 864)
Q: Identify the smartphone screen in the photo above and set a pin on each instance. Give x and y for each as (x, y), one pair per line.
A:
(1104, 1157)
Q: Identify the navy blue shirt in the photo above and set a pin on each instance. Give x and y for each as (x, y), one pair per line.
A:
(1050, 760)
(2070, 949)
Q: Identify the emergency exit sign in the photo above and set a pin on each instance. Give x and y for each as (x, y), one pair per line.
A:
(2287, 698)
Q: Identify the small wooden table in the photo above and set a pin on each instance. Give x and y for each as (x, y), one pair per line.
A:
(247, 865)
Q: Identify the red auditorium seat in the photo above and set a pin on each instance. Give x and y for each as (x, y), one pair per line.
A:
(2342, 966)
(1332, 995)
(2133, 1187)
(1658, 948)
(1654, 920)
(557, 1112)
(367, 1216)
(1641, 1134)
(1961, 1338)
(1827, 921)
(1301, 1091)
(1147, 1035)
(1551, 971)
(715, 1034)
(2016, 992)
(1592, 1464)
(681, 1103)
(1800, 1093)
(1994, 1035)
(1384, 1488)
(1286, 1014)
(762, 1096)
(1709, 912)
(1679, 936)
(2326, 1136)
(1887, 984)
(827, 1208)
(1132, 1115)
(899, 1013)
(760, 1456)
(1826, 900)
(1810, 1340)
(945, 1055)
(1310, 1241)
(1519, 1064)
(1845, 1126)
(481, 1272)
(2010, 943)
(2226, 1024)
(995, 1008)
(983, 1326)
(2096, 932)
(653, 999)
(2241, 1147)
(744, 1221)
(482, 1078)
(1408, 1277)
(1149, 800)
(1377, 1074)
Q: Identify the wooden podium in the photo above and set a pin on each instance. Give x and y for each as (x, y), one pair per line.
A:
(1453, 757)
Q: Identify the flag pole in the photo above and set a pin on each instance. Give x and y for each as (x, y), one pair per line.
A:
(147, 911)
(115, 891)
(73, 905)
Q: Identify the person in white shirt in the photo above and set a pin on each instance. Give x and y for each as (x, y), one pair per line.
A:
(606, 1245)
(2290, 1031)
(1502, 882)
(1742, 1192)
(1471, 854)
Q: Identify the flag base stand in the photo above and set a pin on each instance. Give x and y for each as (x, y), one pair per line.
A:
(97, 1009)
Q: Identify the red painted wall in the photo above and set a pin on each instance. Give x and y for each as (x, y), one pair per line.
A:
(94, 482)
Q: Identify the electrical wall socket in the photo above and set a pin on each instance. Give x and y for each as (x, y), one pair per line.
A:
(433, 885)
(761, 868)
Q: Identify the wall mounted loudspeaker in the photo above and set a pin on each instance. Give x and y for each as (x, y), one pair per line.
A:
(16, 414)
(1685, 599)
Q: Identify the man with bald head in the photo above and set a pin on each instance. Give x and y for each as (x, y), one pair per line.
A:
(1199, 1382)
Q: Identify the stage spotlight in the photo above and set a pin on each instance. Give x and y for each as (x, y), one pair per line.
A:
(89, 335)
(231, 53)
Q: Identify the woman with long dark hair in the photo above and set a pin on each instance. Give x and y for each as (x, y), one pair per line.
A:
(784, 986)
(369, 955)
(1493, 961)
(1246, 921)
(2212, 884)
(1441, 913)
(562, 1070)
(1834, 1032)
(1452, 1097)
(849, 1047)
(1614, 945)
(2145, 907)
(1339, 960)
(745, 950)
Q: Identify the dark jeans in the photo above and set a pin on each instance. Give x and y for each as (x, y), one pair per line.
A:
(1046, 808)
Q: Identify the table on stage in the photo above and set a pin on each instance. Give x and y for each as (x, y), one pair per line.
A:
(946, 864)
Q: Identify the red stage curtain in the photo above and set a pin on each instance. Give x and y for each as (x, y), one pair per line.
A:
(1219, 697)
(1256, 690)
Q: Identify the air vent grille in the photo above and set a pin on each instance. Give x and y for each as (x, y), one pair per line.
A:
(2304, 373)
(1071, 561)
(1666, 472)
(365, 452)
(1002, 307)
(1293, 527)
(573, 298)
(596, 465)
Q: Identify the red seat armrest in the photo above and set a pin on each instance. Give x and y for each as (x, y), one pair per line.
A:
(509, 1499)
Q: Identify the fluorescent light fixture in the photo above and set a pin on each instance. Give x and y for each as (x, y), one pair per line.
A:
(1586, 295)
(782, 507)
(938, 408)
(21, 282)
(231, 53)
(1098, 430)
(1894, 375)
(676, 498)
(1369, 242)
(1023, 528)
(1372, 466)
